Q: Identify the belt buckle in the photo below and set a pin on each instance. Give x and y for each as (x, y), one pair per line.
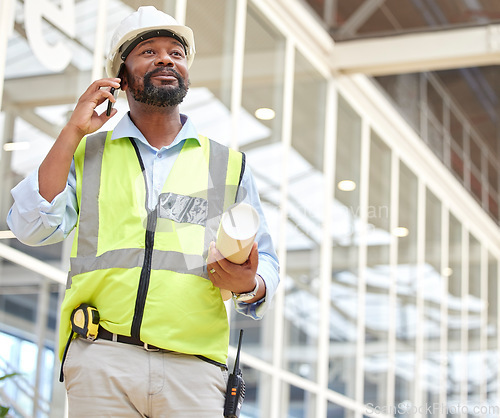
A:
(146, 347)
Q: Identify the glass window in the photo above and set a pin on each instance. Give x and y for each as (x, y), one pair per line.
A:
(337, 411)
(456, 360)
(378, 276)
(456, 149)
(475, 308)
(406, 315)
(305, 219)
(209, 100)
(434, 116)
(434, 293)
(28, 317)
(476, 181)
(345, 233)
(405, 92)
(493, 191)
(300, 403)
(212, 68)
(493, 290)
(492, 365)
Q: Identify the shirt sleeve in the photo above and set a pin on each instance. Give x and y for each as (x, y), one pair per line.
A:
(34, 220)
(268, 267)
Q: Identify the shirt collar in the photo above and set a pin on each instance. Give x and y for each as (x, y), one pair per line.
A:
(126, 128)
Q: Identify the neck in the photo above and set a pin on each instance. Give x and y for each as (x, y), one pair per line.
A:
(159, 125)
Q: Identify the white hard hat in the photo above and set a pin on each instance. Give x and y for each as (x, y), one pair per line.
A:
(146, 23)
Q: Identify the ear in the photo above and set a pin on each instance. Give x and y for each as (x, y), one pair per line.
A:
(122, 74)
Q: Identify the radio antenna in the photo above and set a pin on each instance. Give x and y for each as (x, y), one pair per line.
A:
(237, 360)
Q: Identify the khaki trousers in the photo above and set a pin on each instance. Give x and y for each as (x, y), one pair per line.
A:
(111, 379)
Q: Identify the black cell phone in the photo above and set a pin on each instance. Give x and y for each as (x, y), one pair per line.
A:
(110, 103)
(112, 91)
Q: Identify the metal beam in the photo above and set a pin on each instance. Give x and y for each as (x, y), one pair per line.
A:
(358, 18)
(33, 264)
(46, 90)
(454, 48)
(29, 115)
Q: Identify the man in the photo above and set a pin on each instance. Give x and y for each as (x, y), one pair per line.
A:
(146, 199)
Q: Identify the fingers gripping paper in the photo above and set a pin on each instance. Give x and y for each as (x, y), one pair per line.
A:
(237, 230)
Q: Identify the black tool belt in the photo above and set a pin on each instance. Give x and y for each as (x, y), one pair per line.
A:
(106, 335)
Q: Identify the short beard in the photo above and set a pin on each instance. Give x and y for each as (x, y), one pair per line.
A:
(159, 96)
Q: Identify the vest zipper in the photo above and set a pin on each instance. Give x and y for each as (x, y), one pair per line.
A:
(142, 291)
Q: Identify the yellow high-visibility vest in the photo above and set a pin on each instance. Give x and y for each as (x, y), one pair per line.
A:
(145, 271)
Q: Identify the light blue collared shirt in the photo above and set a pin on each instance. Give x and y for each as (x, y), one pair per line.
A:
(35, 221)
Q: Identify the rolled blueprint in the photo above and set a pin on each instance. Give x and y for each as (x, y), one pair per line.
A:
(237, 230)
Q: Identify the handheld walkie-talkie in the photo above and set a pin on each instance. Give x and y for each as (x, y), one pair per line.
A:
(235, 392)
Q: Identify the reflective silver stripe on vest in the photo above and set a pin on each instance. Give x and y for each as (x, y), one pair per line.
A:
(87, 260)
(217, 168)
(128, 258)
(89, 206)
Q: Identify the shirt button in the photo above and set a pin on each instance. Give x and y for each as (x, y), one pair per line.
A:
(159, 155)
